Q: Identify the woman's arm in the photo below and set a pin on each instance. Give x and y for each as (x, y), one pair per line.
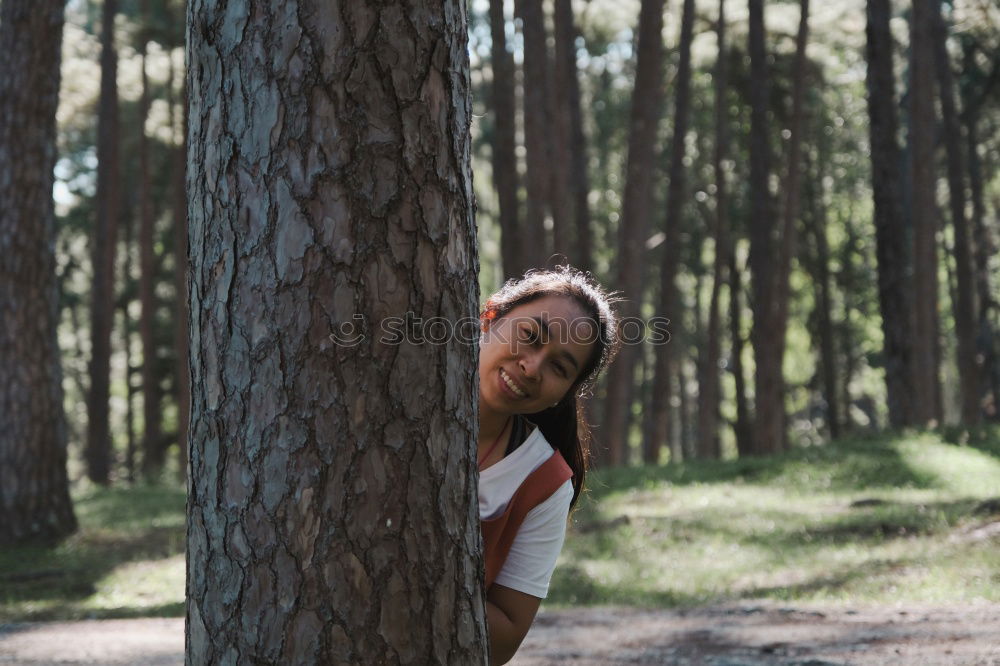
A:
(509, 614)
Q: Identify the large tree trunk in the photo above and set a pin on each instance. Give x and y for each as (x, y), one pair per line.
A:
(672, 227)
(568, 83)
(769, 430)
(504, 144)
(894, 293)
(925, 382)
(98, 447)
(154, 454)
(636, 208)
(537, 130)
(560, 172)
(332, 513)
(708, 377)
(34, 489)
(964, 305)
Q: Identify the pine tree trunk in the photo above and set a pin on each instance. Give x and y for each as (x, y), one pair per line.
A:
(537, 127)
(894, 292)
(332, 513)
(965, 303)
(925, 382)
(152, 440)
(34, 489)
(768, 428)
(504, 144)
(566, 34)
(633, 229)
(98, 448)
(672, 225)
(708, 377)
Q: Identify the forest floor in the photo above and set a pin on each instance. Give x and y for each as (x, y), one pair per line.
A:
(742, 634)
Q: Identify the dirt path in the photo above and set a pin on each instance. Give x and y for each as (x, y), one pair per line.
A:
(745, 634)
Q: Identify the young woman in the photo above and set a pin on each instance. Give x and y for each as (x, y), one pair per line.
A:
(544, 340)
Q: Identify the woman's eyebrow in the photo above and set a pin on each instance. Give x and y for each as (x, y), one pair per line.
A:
(544, 325)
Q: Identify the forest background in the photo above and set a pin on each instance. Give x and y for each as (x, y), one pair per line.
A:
(814, 206)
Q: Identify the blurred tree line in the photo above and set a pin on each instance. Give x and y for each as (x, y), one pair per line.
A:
(809, 194)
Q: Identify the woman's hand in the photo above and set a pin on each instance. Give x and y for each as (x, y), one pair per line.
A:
(509, 615)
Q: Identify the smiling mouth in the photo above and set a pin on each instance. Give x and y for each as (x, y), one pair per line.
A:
(515, 389)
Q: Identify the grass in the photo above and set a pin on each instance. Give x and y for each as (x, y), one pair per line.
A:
(126, 560)
(877, 520)
(887, 519)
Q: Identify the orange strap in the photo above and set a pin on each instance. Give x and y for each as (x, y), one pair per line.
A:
(499, 533)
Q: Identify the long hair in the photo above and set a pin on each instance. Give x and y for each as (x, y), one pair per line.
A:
(565, 425)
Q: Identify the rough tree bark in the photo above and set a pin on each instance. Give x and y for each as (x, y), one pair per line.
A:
(925, 382)
(708, 370)
(537, 130)
(671, 245)
(769, 419)
(964, 306)
(894, 293)
(504, 144)
(98, 448)
(331, 511)
(34, 489)
(636, 208)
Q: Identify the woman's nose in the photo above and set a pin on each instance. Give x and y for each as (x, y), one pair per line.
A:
(529, 365)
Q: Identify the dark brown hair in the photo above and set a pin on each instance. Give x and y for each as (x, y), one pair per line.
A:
(565, 425)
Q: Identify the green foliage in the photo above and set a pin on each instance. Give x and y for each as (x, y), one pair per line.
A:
(883, 519)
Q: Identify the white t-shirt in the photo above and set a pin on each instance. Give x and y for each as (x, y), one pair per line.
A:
(536, 547)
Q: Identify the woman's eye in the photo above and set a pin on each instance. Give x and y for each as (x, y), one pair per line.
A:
(560, 370)
(528, 335)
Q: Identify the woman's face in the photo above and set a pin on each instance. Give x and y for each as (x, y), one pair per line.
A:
(531, 356)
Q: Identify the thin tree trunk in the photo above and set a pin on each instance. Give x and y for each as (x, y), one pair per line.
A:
(708, 378)
(636, 208)
(775, 381)
(153, 454)
(849, 255)
(98, 448)
(672, 227)
(130, 390)
(743, 428)
(566, 34)
(925, 381)
(331, 511)
(34, 488)
(827, 344)
(537, 128)
(504, 144)
(768, 435)
(965, 303)
(560, 169)
(895, 294)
